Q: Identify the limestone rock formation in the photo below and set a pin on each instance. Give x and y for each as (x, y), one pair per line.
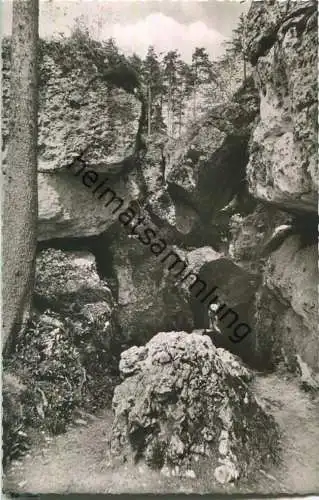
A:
(80, 116)
(282, 171)
(283, 312)
(67, 208)
(183, 403)
(206, 167)
(68, 283)
(147, 296)
(250, 233)
(287, 305)
(282, 46)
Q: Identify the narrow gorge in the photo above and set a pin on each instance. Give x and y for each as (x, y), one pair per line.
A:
(235, 197)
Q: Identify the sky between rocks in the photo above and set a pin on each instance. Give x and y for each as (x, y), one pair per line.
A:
(136, 24)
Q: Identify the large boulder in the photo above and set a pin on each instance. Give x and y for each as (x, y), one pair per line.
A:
(147, 296)
(68, 208)
(82, 114)
(235, 285)
(232, 287)
(68, 284)
(282, 46)
(250, 234)
(184, 405)
(67, 353)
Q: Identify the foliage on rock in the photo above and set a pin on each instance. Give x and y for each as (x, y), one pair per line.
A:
(67, 355)
(48, 362)
(61, 370)
(15, 440)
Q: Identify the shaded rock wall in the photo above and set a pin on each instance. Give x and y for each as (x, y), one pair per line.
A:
(287, 304)
(283, 313)
(206, 167)
(148, 299)
(282, 172)
(282, 166)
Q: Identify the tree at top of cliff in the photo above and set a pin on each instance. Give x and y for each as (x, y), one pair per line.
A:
(201, 66)
(238, 43)
(201, 72)
(136, 62)
(113, 55)
(170, 79)
(152, 78)
(182, 93)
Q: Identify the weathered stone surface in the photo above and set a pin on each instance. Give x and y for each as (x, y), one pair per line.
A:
(282, 166)
(147, 296)
(183, 401)
(250, 233)
(68, 208)
(161, 203)
(79, 110)
(68, 283)
(206, 166)
(287, 305)
(80, 114)
(62, 277)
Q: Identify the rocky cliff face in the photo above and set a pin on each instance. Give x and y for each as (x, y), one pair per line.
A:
(216, 195)
(81, 116)
(282, 171)
(282, 166)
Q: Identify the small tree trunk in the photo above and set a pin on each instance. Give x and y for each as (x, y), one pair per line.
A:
(20, 199)
(194, 103)
(245, 71)
(149, 111)
(169, 110)
(244, 46)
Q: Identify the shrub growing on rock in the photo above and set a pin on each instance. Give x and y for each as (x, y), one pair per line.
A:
(48, 363)
(183, 401)
(64, 357)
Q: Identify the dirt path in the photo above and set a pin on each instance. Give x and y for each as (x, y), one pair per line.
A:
(77, 461)
(298, 417)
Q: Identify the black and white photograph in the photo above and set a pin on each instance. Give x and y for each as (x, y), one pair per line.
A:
(159, 248)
